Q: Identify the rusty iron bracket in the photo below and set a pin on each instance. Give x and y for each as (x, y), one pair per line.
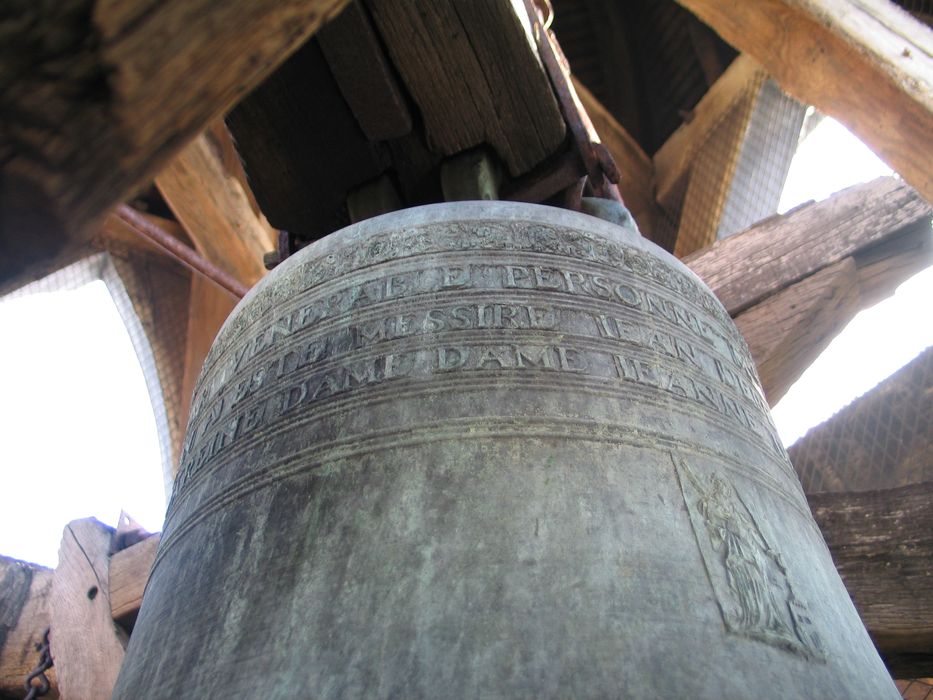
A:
(184, 254)
(600, 168)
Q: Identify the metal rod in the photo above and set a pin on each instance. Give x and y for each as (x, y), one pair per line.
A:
(184, 254)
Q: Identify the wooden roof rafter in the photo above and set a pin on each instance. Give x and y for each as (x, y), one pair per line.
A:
(867, 63)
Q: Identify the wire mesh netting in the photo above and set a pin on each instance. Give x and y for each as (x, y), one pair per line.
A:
(739, 170)
(764, 160)
(151, 297)
(880, 441)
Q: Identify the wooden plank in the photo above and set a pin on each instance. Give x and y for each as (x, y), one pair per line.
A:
(302, 147)
(213, 205)
(100, 95)
(24, 615)
(673, 161)
(637, 182)
(882, 545)
(744, 269)
(86, 645)
(364, 75)
(208, 308)
(129, 572)
(474, 72)
(789, 330)
(867, 63)
(882, 267)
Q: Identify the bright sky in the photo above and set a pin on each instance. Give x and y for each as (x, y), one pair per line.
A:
(79, 436)
(879, 340)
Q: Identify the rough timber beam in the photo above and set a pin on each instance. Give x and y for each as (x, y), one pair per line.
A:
(793, 282)
(206, 189)
(787, 331)
(129, 571)
(867, 63)
(99, 96)
(744, 269)
(86, 645)
(882, 544)
(24, 615)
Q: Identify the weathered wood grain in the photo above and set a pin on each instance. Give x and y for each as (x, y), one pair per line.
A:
(24, 615)
(129, 571)
(882, 545)
(86, 645)
(475, 75)
(745, 268)
(364, 74)
(866, 63)
(787, 331)
(215, 207)
(98, 95)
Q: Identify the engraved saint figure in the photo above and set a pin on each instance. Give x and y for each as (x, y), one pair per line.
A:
(767, 608)
(746, 556)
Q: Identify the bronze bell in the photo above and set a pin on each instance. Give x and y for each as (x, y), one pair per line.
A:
(489, 450)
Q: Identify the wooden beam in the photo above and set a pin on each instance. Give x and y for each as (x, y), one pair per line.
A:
(882, 545)
(673, 161)
(884, 266)
(214, 205)
(867, 63)
(302, 146)
(637, 182)
(99, 96)
(474, 72)
(787, 332)
(24, 615)
(86, 646)
(365, 76)
(744, 269)
(129, 571)
(793, 282)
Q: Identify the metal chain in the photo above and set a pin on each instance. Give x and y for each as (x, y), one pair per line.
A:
(45, 663)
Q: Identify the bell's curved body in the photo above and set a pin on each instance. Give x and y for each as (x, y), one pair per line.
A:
(489, 450)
